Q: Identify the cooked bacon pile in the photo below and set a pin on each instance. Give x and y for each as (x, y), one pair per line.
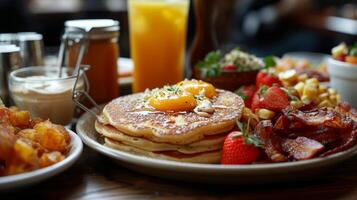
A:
(27, 144)
(304, 134)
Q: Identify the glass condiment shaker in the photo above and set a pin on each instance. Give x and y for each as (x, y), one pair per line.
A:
(99, 37)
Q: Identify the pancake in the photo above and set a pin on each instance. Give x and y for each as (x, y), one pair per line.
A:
(206, 157)
(209, 143)
(129, 116)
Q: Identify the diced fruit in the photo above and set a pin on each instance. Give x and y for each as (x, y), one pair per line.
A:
(264, 78)
(182, 102)
(196, 87)
(235, 151)
(274, 99)
(351, 59)
(247, 93)
(339, 50)
(229, 68)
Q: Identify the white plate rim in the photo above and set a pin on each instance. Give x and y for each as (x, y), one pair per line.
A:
(44, 173)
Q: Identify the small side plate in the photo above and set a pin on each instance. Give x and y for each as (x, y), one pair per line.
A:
(32, 177)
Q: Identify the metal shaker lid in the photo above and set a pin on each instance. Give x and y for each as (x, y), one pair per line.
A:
(29, 36)
(9, 48)
(8, 38)
(95, 28)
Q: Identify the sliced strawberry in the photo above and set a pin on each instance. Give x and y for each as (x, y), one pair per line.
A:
(229, 68)
(274, 99)
(255, 101)
(264, 78)
(236, 151)
(247, 93)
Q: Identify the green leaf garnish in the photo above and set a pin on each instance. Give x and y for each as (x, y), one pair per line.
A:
(289, 91)
(249, 138)
(353, 51)
(269, 61)
(240, 93)
(209, 67)
(262, 90)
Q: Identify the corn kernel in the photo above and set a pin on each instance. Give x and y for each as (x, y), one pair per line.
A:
(333, 99)
(299, 88)
(323, 96)
(325, 103)
(312, 81)
(332, 91)
(302, 78)
(305, 99)
(296, 104)
(265, 114)
(310, 91)
(322, 89)
(289, 75)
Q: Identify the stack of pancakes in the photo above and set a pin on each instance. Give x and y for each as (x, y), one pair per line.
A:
(181, 136)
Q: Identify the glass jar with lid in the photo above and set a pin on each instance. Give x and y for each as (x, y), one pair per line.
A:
(99, 39)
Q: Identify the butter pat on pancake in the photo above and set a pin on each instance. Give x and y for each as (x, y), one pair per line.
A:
(128, 115)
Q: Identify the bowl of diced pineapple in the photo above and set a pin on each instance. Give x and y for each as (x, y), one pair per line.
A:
(342, 67)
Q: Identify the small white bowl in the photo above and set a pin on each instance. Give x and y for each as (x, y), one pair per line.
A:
(343, 78)
(33, 177)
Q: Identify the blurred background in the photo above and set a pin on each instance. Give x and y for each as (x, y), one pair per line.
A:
(260, 26)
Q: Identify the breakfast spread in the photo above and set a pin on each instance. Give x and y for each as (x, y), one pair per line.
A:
(28, 144)
(184, 122)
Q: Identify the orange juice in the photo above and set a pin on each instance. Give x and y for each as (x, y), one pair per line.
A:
(157, 39)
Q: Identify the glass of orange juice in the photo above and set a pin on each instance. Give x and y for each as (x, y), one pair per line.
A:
(157, 41)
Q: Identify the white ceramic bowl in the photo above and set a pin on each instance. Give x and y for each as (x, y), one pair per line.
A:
(32, 177)
(343, 78)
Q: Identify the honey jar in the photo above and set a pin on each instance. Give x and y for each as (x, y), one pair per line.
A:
(99, 40)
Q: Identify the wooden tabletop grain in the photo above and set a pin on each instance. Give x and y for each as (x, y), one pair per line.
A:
(97, 177)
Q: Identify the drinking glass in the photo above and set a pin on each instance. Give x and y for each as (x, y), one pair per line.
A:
(157, 41)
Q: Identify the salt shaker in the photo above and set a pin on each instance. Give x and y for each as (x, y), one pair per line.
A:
(9, 60)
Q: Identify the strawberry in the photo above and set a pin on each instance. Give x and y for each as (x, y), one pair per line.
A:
(240, 148)
(247, 93)
(265, 78)
(255, 101)
(273, 98)
(230, 68)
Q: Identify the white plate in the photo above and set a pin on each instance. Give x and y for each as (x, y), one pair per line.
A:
(32, 177)
(208, 173)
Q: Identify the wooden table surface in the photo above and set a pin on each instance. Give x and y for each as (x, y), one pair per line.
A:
(97, 177)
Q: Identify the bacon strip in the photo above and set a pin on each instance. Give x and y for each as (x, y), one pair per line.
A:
(350, 142)
(264, 131)
(302, 148)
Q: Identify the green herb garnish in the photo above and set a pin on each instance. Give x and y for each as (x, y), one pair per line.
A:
(269, 61)
(353, 51)
(210, 67)
(249, 138)
(240, 93)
